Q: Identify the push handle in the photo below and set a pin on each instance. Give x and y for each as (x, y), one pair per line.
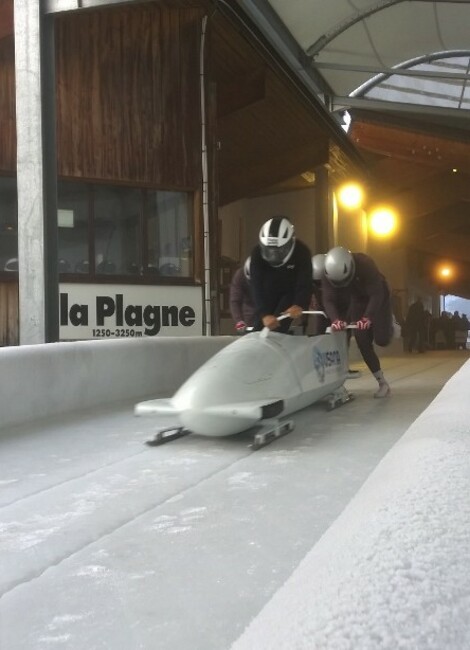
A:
(265, 331)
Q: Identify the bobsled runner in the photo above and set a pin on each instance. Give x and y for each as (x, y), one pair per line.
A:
(254, 382)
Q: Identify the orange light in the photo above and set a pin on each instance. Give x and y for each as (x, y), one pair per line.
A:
(383, 222)
(445, 272)
(350, 196)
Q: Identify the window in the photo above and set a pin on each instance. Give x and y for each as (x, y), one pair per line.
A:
(73, 222)
(108, 230)
(124, 231)
(8, 224)
(117, 218)
(169, 249)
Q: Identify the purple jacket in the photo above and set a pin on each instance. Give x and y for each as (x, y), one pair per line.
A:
(364, 296)
(241, 301)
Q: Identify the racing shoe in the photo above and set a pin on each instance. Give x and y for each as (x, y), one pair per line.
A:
(353, 374)
(383, 391)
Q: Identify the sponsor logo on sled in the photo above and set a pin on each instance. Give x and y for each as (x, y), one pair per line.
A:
(324, 360)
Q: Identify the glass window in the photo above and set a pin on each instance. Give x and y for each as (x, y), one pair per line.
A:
(8, 224)
(169, 241)
(117, 213)
(73, 227)
(122, 228)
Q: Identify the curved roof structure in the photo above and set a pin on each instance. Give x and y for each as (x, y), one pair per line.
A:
(398, 51)
(401, 68)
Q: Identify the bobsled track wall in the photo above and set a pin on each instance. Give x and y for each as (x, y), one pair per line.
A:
(43, 380)
(393, 571)
(49, 379)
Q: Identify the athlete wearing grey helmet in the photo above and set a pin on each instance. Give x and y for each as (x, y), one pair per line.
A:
(354, 290)
(318, 266)
(339, 266)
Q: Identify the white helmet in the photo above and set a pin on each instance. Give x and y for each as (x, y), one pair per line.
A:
(246, 268)
(318, 266)
(339, 266)
(277, 241)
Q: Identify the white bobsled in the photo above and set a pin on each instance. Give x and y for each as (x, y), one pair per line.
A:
(259, 378)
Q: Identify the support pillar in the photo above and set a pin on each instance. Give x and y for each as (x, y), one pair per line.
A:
(323, 208)
(36, 174)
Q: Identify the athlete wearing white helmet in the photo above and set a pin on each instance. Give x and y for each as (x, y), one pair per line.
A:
(281, 274)
(277, 241)
(354, 290)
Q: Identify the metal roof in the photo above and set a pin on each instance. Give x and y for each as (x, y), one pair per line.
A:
(376, 54)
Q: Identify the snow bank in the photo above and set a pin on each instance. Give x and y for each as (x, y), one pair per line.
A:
(42, 380)
(393, 571)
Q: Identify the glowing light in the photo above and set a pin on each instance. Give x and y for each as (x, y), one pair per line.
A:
(383, 222)
(445, 272)
(350, 196)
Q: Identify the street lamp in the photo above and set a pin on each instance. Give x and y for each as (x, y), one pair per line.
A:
(445, 273)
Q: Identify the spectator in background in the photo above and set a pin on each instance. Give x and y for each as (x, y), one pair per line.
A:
(354, 290)
(242, 306)
(415, 326)
(460, 331)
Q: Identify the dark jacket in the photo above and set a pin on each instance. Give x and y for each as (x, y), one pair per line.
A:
(242, 307)
(415, 317)
(364, 296)
(277, 288)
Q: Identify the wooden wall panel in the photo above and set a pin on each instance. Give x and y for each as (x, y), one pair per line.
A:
(9, 327)
(128, 95)
(7, 105)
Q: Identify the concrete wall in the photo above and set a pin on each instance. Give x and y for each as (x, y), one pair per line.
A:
(241, 221)
(48, 379)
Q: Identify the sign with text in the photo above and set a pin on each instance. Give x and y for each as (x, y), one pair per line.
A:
(96, 311)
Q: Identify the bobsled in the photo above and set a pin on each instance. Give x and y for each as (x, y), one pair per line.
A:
(254, 382)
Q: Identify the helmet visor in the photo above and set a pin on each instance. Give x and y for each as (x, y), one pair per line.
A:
(276, 255)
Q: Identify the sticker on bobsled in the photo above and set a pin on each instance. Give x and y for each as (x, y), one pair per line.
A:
(324, 360)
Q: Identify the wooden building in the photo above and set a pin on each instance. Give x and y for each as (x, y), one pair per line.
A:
(145, 160)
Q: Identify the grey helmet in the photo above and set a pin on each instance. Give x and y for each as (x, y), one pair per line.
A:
(277, 241)
(318, 266)
(247, 268)
(339, 266)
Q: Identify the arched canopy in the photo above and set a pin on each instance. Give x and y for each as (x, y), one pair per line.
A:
(410, 51)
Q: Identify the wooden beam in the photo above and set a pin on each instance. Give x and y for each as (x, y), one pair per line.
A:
(404, 144)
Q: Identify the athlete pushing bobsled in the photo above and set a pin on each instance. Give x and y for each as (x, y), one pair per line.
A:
(265, 375)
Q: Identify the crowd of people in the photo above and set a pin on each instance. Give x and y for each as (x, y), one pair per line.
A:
(421, 331)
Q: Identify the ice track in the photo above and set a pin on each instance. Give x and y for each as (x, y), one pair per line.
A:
(107, 543)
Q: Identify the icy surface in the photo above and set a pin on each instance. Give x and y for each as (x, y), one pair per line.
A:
(107, 543)
(393, 571)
